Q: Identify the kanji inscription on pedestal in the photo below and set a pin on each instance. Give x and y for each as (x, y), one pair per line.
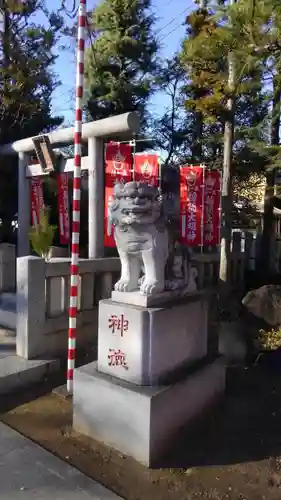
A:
(117, 358)
(120, 346)
(118, 324)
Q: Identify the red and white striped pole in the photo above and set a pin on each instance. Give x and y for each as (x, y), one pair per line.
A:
(73, 301)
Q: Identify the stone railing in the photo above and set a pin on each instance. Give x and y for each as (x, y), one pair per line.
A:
(42, 302)
(43, 296)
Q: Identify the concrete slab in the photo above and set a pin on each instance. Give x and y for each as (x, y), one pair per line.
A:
(7, 342)
(8, 300)
(6, 351)
(8, 310)
(8, 318)
(7, 334)
(8, 339)
(28, 472)
(16, 372)
(137, 420)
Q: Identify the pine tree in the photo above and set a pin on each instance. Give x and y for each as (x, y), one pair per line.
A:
(173, 130)
(27, 78)
(121, 61)
(260, 25)
(244, 36)
(27, 82)
(204, 55)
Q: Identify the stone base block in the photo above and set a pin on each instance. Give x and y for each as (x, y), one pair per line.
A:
(162, 299)
(145, 345)
(141, 421)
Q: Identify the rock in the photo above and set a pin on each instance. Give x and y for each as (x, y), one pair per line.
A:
(265, 303)
(232, 342)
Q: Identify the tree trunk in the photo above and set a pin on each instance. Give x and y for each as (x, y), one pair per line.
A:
(6, 47)
(197, 135)
(264, 257)
(196, 152)
(226, 201)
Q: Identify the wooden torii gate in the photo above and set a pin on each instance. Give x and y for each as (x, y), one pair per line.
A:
(120, 127)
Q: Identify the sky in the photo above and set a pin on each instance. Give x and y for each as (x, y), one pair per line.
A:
(170, 16)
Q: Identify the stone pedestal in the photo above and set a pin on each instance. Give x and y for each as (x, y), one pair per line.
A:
(153, 376)
(151, 342)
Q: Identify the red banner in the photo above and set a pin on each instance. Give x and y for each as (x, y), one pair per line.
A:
(63, 209)
(212, 207)
(146, 168)
(118, 168)
(37, 200)
(118, 163)
(191, 200)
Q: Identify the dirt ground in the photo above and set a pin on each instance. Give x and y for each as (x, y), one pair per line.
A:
(233, 454)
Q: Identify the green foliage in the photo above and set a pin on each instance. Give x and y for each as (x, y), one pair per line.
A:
(204, 56)
(121, 61)
(26, 74)
(268, 341)
(41, 237)
(171, 131)
(27, 82)
(251, 35)
(252, 40)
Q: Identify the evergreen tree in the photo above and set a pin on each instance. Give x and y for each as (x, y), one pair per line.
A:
(121, 61)
(259, 26)
(204, 56)
(226, 55)
(27, 81)
(172, 132)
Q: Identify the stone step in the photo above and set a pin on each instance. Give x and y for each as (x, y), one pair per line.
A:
(8, 301)
(7, 342)
(17, 372)
(7, 336)
(8, 310)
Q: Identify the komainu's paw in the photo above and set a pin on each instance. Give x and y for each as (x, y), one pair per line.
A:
(141, 280)
(124, 286)
(151, 288)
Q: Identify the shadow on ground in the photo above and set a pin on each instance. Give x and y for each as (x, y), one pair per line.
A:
(225, 457)
(246, 426)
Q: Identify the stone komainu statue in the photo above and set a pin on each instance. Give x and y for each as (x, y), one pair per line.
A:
(142, 240)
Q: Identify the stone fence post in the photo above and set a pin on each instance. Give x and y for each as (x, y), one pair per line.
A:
(30, 306)
(96, 198)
